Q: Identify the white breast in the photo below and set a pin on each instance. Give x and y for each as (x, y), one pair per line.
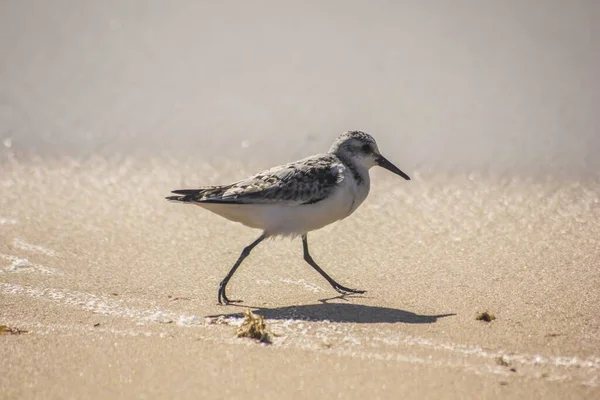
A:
(295, 220)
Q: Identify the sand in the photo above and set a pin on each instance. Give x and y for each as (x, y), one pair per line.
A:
(109, 291)
(117, 290)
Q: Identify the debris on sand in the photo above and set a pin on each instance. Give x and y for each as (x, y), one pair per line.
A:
(501, 361)
(485, 316)
(254, 327)
(8, 330)
(220, 320)
(505, 363)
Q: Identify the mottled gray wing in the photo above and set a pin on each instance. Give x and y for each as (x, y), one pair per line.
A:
(306, 181)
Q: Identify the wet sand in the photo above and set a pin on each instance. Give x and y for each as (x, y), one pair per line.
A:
(117, 289)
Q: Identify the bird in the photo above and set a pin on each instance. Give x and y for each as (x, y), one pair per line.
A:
(293, 199)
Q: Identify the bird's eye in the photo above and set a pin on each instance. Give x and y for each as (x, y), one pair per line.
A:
(366, 148)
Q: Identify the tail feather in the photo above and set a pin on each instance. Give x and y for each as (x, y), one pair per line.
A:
(183, 199)
(186, 195)
(203, 194)
(188, 191)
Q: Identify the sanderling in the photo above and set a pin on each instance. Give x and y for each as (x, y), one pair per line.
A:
(296, 198)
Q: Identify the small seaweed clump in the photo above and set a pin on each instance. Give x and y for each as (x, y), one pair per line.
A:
(254, 327)
(485, 316)
(8, 330)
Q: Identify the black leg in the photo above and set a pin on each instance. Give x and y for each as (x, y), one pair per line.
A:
(340, 289)
(224, 282)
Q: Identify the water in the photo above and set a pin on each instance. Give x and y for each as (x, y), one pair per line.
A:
(509, 87)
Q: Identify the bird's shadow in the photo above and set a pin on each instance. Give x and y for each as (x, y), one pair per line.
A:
(342, 312)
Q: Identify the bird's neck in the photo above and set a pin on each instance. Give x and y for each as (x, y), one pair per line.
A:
(360, 173)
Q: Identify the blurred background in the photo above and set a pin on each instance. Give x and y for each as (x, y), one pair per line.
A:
(503, 86)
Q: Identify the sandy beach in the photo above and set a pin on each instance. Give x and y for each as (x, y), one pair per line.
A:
(109, 291)
(117, 290)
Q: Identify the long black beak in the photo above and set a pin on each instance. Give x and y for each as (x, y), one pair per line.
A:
(384, 163)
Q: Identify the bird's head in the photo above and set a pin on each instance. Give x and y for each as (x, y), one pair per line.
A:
(361, 149)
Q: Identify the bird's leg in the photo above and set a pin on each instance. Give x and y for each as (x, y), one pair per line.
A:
(224, 282)
(339, 288)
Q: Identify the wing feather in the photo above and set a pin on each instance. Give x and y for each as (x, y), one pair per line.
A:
(306, 181)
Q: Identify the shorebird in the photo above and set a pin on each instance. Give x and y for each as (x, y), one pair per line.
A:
(296, 198)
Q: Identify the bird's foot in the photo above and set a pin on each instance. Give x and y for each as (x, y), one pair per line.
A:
(345, 297)
(346, 291)
(227, 301)
(223, 299)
